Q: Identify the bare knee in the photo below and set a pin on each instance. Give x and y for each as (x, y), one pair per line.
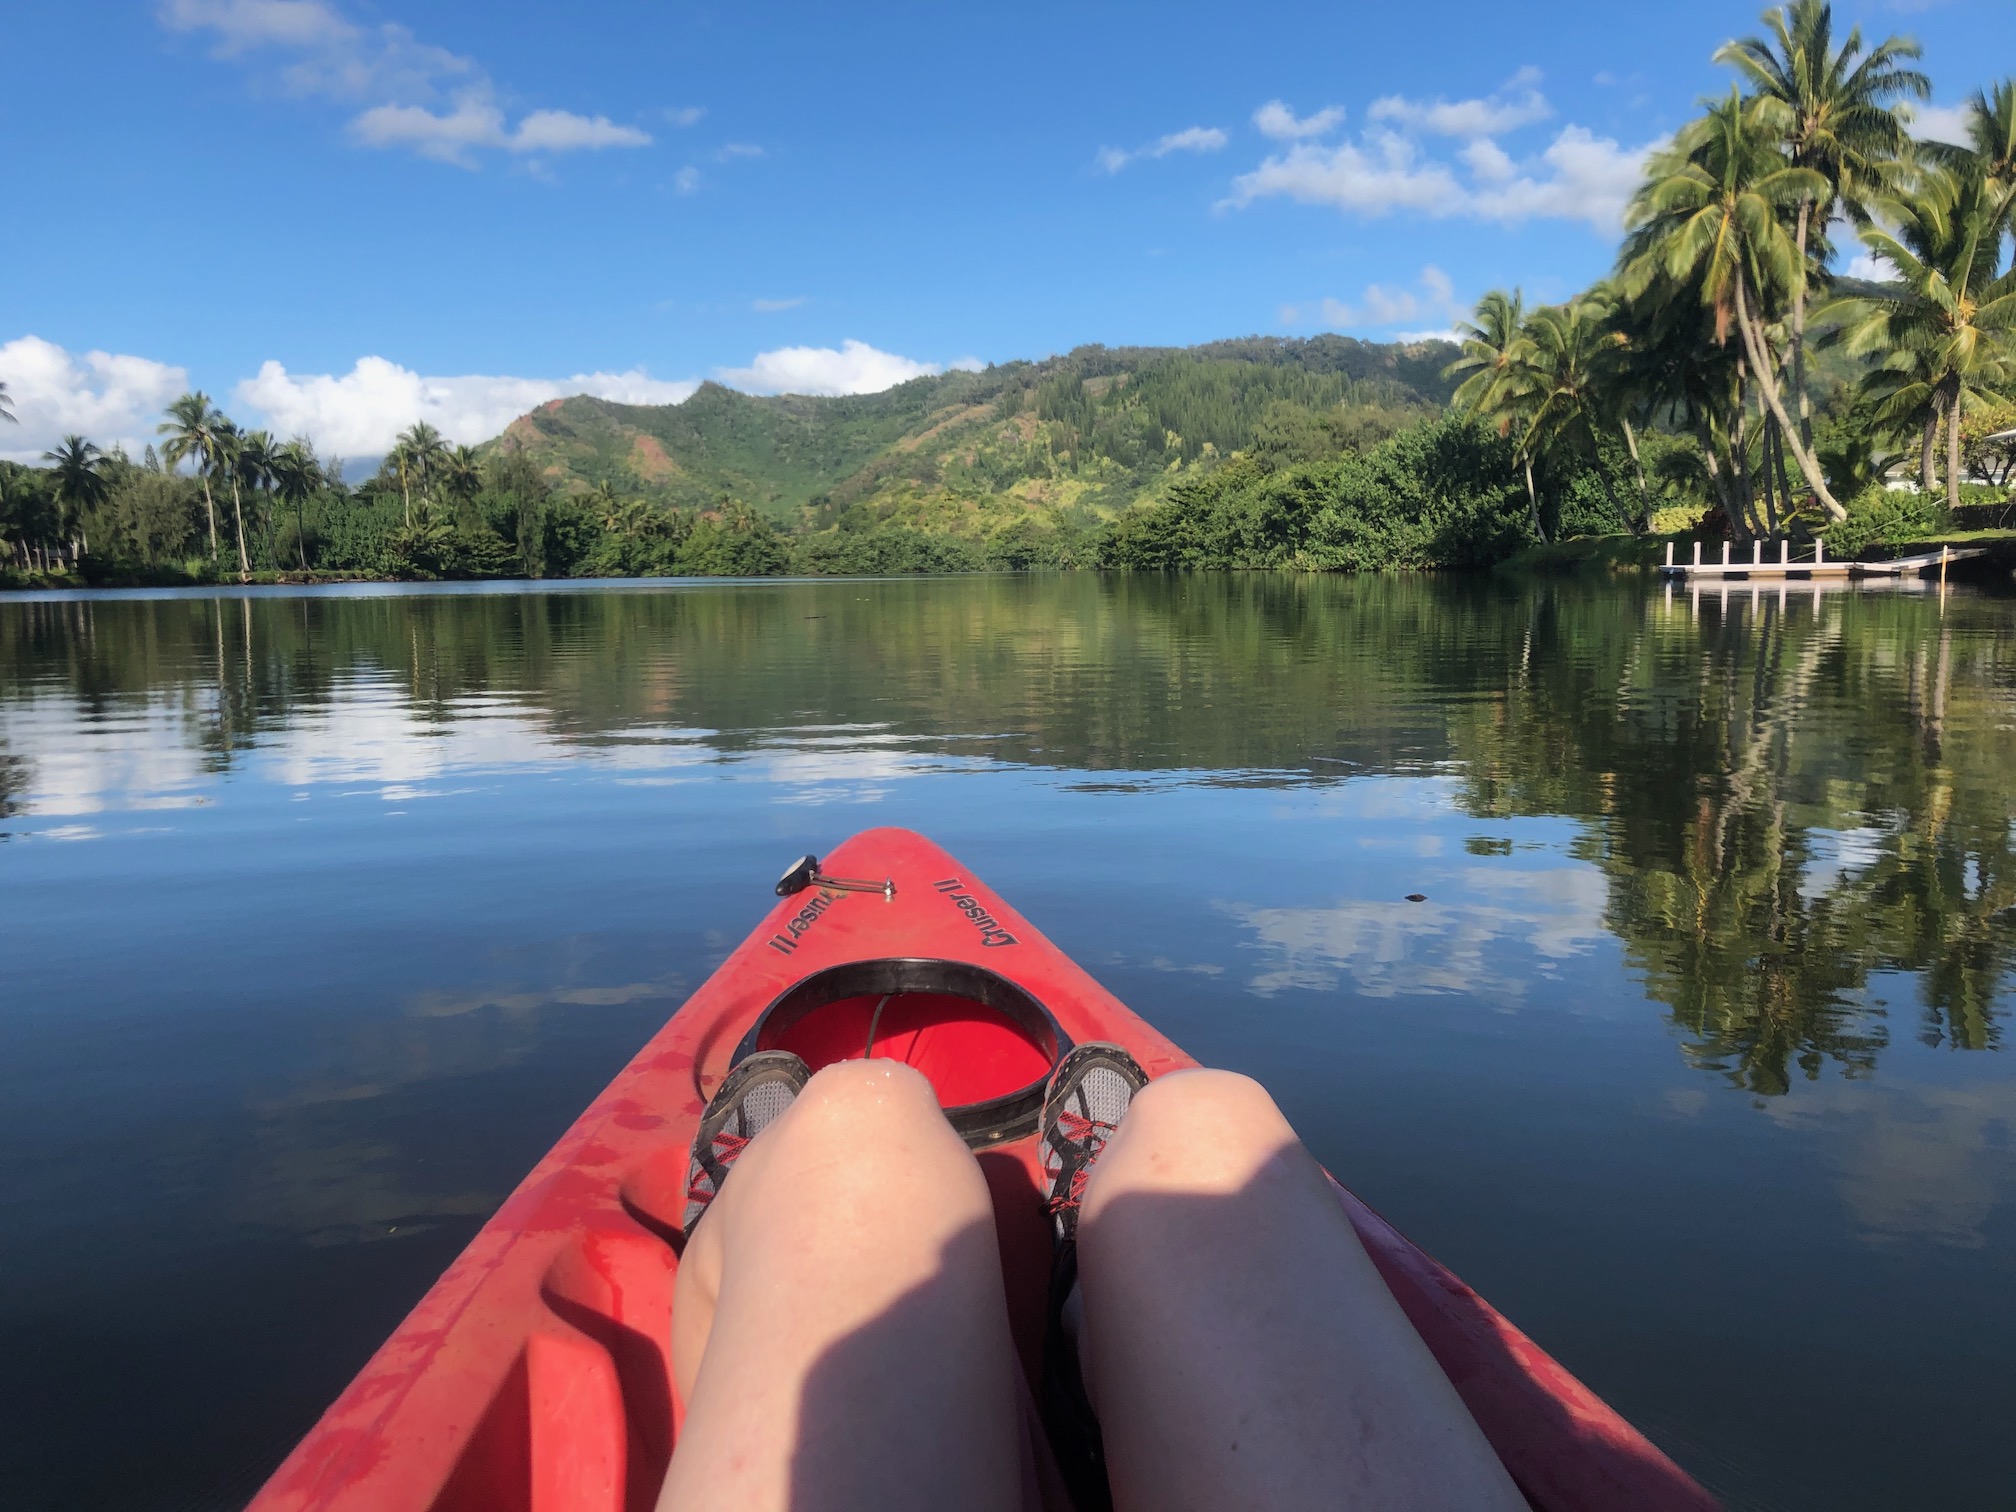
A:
(1194, 1131)
(863, 1134)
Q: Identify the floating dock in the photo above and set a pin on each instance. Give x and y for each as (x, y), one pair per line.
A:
(1815, 566)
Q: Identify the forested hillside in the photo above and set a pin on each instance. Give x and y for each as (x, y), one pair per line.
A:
(1100, 425)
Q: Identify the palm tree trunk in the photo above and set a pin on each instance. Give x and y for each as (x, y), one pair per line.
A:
(1638, 467)
(238, 518)
(1712, 463)
(1799, 330)
(1533, 503)
(1928, 450)
(301, 535)
(1770, 484)
(1784, 480)
(1742, 519)
(1953, 469)
(1754, 344)
(210, 510)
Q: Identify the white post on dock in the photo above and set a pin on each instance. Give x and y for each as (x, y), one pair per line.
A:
(1785, 552)
(1725, 556)
(1942, 564)
(1756, 553)
(1819, 551)
(1669, 553)
(1697, 556)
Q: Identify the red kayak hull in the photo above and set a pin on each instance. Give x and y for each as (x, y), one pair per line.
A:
(535, 1373)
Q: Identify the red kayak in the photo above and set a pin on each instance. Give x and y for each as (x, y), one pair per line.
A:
(535, 1375)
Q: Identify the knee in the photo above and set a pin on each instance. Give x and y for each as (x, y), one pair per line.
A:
(866, 1129)
(1196, 1131)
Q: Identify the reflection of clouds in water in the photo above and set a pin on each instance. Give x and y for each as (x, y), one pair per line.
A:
(1837, 854)
(139, 757)
(368, 733)
(1390, 949)
(369, 737)
(827, 774)
(1381, 797)
(1912, 1161)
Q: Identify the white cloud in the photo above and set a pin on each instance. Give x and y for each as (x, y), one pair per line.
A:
(1517, 104)
(1385, 172)
(474, 123)
(734, 150)
(1276, 120)
(1190, 139)
(1869, 268)
(109, 398)
(417, 96)
(356, 414)
(1579, 176)
(686, 180)
(242, 24)
(1941, 123)
(564, 131)
(1582, 177)
(1488, 162)
(776, 306)
(685, 115)
(445, 138)
(1381, 305)
(855, 368)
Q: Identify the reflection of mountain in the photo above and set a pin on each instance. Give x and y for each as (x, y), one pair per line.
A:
(1779, 799)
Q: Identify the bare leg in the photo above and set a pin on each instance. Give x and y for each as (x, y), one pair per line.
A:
(840, 1334)
(1237, 1344)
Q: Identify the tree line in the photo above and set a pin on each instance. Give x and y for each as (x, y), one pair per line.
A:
(1728, 376)
(1727, 291)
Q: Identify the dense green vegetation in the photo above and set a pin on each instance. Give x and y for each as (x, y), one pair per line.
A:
(1725, 289)
(1726, 378)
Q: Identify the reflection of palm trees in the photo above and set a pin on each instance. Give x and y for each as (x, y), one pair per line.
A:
(1714, 777)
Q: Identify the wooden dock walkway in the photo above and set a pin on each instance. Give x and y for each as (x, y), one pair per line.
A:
(1815, 566)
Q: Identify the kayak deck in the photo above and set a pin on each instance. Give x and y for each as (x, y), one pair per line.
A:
(536, 1373)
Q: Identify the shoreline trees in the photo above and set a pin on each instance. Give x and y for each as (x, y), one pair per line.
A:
(1728, 264)
(1733, 373)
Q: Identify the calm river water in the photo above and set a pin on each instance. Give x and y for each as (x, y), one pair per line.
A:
(324, 913)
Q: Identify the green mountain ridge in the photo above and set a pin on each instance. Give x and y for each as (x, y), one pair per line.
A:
(1093, 430)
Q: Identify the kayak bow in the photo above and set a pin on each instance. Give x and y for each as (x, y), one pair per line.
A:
(536, 1373)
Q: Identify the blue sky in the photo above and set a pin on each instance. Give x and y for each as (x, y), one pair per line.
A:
(340, 215)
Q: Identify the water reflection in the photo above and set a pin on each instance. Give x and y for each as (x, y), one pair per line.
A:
(1781, 794)
(336, 908)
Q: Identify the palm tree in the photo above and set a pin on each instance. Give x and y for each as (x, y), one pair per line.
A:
(1841, 124)
(421, 450)
(79, 485)
(227, 445)
(255, 467)
(7, 406)
(462, 474)
(1711, 216)
(296, 476)
(1494, 350)
(1566, 370)
(606, 506)
(1946, 324)
(1990, 149)
(191, 429)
